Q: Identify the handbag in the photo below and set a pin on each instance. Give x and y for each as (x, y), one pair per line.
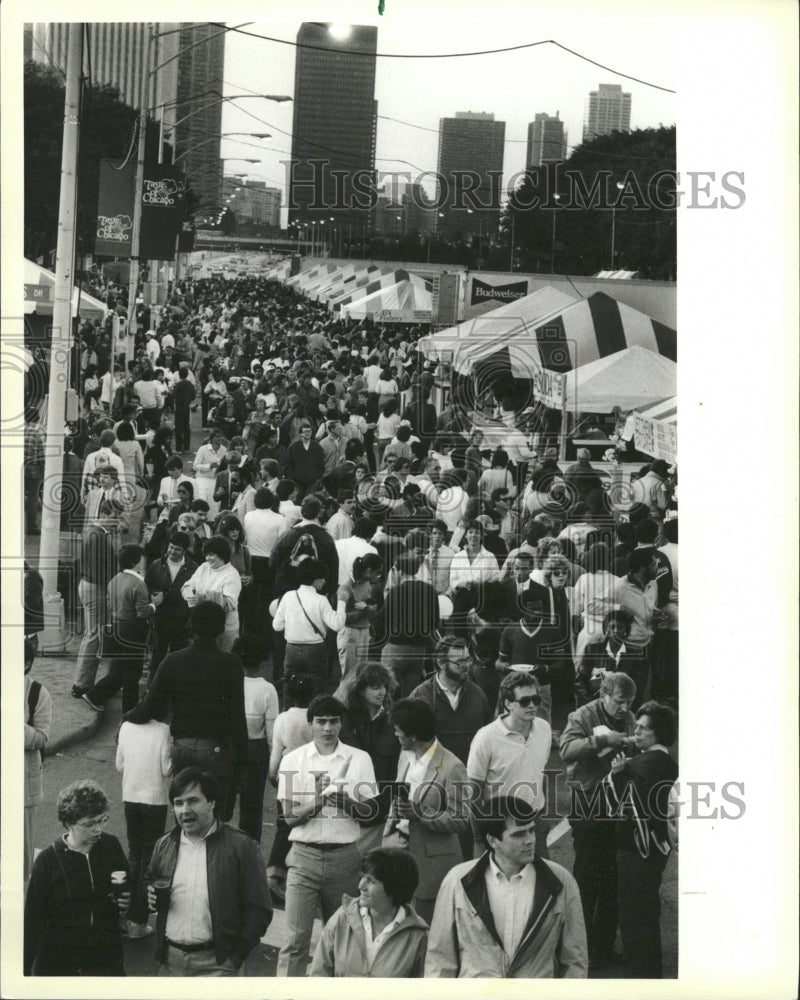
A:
(322, 635)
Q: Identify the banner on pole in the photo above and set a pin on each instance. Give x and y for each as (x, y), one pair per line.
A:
(115, 200)
(186, 237)
(656, 438)
(163, 191)
(549, 387)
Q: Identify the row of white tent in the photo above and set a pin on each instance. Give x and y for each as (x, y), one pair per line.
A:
(362, 290)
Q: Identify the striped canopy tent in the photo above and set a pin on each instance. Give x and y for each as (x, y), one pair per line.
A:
(83, 304)
(666, 410)
(579, 333)
(407, 296)
(511, 327)
(305, 278)
(325, 280)
(383, 281)
(350, 287)
(630, 379)
(279, 271)
(335, 283)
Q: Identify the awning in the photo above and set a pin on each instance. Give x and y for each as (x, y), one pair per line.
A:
(666, 410)
(630, 379)
(405, 301)
(40, 290)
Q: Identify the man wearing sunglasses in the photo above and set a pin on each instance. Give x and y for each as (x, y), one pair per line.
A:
(508, 756)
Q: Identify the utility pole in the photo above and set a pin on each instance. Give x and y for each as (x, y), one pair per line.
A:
(54, 638)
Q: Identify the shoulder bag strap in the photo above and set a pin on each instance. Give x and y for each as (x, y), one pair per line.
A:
(310, 622)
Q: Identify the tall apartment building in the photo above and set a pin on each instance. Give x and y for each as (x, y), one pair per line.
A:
(252, 201)
(335, 124)
(403, 209)
(470, 168)
(126, 55)
(608, 109)
(547, 140)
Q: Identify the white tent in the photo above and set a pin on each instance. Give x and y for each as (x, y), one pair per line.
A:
(87, 305)
(511, 326)
(566, 338)
(398, 302)
(630, 379)
(351, 287)
(666, 410)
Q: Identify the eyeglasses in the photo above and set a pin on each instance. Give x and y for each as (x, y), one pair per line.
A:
(528, 699)
(93, 824)
(558, 572)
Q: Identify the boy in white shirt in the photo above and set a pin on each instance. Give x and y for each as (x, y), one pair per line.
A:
(261, 711)
(143, 757)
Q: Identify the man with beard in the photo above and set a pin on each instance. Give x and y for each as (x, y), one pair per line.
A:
(218, 905)
(592, 738)
(460, 706)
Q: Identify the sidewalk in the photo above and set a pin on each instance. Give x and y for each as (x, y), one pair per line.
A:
(73, 720)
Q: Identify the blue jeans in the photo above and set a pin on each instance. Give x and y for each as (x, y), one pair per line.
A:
(144, 824)
(315, 877)
(93, 599)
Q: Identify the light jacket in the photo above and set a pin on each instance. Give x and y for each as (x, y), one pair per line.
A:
(238, 895)
(441, 813)
(37, 733)
(342, 948)
(464, 943)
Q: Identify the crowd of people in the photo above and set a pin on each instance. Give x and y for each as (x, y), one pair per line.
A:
(437, 620)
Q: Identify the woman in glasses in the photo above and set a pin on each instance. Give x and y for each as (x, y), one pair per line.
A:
(77, 893)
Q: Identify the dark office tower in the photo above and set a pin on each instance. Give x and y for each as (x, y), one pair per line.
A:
(200, 70)
(547, 141)
(470, 167)
(334, 128)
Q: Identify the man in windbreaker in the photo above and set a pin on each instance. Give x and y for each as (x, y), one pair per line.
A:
(510, 914)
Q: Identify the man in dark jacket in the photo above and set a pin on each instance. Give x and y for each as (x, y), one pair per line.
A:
(285, 559)
(203, 688)
(166, 576)
(421, 414)
(215, 912)
(582, 476)
(460, 706)
(305, 461)
(183, 394)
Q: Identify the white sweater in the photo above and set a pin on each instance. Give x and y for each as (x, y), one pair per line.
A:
(143, 758)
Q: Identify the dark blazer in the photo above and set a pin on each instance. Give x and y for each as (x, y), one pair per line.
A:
(174, 608)
(409, 615)
(305, 466)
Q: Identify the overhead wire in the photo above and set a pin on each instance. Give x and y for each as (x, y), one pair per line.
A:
(450, 55)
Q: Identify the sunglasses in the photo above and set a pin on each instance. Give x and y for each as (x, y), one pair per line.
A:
(529, 699)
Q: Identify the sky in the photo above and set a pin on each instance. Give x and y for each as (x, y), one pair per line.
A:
(513, 85)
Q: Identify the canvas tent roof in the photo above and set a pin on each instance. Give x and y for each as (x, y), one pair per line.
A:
(630, 379)
(666, 410)
(89, 306)
(385, 280)
(406, 296)
(351, 287)
(579, 333)
(511, 325)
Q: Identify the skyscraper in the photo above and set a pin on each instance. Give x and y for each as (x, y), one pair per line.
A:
(196, 139)
(608, 109)
(126, 55)
(335, 123)
(470, 167)
(547, 140)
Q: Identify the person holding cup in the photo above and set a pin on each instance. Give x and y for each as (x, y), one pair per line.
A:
(73, 905)
(207, 884)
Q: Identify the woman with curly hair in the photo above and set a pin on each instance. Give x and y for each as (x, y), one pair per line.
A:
(367, 695)
(73, 904)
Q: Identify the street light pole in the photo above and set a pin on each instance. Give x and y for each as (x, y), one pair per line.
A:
(613, 226)
(54, 638)
(511, 260)
(557, 198)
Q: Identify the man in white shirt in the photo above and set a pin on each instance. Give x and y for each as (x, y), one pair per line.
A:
(358, 544)
(340, 526)
(510, 914)
(439, 557)
(103, 456)
(218, 906)
(152, 347)
(508, 757)
(168, 488)
(322, 786)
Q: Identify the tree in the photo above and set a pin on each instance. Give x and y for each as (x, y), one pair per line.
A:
(642, 211)
(107, 131)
